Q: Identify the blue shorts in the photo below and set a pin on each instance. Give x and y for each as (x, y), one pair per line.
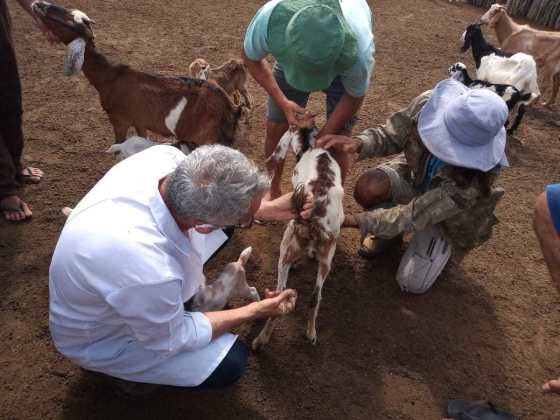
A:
(334, 92)
(553, 199)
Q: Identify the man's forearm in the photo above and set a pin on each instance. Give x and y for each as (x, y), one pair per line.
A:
(262, 73)
(347, 107)
(225, 321)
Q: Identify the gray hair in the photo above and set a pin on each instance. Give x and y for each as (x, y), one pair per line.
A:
(214, 184)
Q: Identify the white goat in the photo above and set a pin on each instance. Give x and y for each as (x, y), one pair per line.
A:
(519, 70)
(316, 172)
(232, 283)
(135, 144)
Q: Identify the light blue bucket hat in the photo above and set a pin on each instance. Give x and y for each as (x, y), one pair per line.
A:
(464, 127)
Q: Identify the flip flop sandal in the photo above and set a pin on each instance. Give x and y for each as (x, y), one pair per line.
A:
(4, 208)
(28, 178)
(477, 410)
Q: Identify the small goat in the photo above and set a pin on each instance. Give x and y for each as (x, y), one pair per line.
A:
(544, 46)
(318, 173)
(231, 76)
(515, 100)
(231, 283)
(193, 111)
(136, 144)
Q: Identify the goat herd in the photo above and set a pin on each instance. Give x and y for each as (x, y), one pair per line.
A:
(217, 101)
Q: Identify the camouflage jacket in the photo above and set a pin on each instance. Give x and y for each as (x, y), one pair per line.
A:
(463, 213)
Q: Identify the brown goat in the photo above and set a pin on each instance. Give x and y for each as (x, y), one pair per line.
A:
(544, 46)
(194, 111)
(231, 76)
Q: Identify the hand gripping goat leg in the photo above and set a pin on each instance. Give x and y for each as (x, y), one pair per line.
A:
(316, 172)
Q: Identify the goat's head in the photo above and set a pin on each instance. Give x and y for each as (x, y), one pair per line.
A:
(493, 15)
(199, 69)
(66, 24)
(471, 32)
(73, 27)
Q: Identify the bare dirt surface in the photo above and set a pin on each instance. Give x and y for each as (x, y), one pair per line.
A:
(489, 329)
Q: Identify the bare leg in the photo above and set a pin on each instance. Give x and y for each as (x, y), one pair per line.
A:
(550, 246)
(548, 238)
(274, 132)
(325, 260)
(290, 251)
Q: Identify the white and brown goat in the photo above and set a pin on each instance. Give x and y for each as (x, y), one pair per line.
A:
(194, 111)
(316, 173)
(231, 76)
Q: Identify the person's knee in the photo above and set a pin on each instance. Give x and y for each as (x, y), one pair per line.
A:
(231, 369)
(372, 188)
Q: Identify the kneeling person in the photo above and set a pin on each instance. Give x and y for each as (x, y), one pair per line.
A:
(132, 252)
(440, 188)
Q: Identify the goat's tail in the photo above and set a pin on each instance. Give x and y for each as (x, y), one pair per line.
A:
(298, 199)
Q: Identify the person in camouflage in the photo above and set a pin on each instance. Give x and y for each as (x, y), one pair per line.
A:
(440, 188)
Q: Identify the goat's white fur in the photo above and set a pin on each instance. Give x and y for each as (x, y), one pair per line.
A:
(136, 144)
(519, 70)
(173, 117)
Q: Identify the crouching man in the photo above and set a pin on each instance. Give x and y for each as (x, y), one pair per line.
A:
(440, 188)
(132, 252)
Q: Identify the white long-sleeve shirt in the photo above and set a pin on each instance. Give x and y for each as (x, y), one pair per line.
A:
(120, 273)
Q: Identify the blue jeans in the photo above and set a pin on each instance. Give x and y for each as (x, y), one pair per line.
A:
(229, 370)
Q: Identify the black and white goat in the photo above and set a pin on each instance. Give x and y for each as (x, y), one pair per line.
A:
(473, 38)
(515, 100)
(316, 172)
(497, 67)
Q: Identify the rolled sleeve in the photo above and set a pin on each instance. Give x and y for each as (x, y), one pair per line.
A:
(356, 81)
(255, 44)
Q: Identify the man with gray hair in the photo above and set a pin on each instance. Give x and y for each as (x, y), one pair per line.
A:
(132, 252)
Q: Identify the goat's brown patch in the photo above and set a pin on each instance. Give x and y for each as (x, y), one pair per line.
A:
(320, 186)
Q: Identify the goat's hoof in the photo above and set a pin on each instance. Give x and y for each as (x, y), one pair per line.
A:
(312, 338)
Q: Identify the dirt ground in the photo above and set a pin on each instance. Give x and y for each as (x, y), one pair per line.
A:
(489, 329)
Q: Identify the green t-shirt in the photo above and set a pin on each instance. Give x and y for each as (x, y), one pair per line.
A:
(360, 19)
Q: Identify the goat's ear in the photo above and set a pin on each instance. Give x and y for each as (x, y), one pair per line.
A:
(74, 58)
(244, 257)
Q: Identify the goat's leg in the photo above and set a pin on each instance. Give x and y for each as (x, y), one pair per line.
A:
(325, 259)
(121, 129)
(518, 117)
(141, 131)
(555, 87)
(290, 251)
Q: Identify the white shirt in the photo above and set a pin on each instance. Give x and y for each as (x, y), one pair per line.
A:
(120, 273)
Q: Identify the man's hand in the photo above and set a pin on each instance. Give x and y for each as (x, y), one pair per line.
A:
(281, 208)
(294, 113)
(276, 303)
(341, 143)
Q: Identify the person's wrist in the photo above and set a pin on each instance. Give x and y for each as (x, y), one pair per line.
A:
(254, 311)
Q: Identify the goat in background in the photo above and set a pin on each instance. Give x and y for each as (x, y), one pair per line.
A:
(194, 111)
(544, 46)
